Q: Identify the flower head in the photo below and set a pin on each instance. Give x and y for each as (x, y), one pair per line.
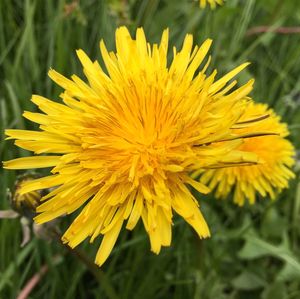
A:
(123, 144)
(212, 3)
(26, 203)
(275, 153)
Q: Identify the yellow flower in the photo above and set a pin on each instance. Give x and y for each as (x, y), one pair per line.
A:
(25, 203)
(125, 142)
(212, 3)
(269, 176)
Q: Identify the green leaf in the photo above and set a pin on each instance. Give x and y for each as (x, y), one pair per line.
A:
(275, 291)
(248, 281)
(256, 248)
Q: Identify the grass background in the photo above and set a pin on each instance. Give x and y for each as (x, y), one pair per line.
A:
(254, 252)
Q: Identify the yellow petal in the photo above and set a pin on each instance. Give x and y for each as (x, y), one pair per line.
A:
(32, 162)
(108, 243)
(136, 212)
(185, 206)
(221, 82)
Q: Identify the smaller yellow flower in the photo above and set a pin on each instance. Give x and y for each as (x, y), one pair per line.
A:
(212, 3)
(275, 152)
(26, 203)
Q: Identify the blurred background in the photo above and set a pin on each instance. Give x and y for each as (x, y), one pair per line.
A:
(254, 251)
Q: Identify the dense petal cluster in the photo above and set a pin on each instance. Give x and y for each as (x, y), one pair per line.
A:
(122, 145)
(212, 3)
(275, 153)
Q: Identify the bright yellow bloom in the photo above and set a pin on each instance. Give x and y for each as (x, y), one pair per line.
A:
(212, 3)
(125, 142)
(269, 176)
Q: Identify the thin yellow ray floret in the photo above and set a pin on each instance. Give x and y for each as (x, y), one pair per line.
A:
(32, 162)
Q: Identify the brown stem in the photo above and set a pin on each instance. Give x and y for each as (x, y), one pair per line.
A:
(280, 30)
(99, 275)
(35, 279)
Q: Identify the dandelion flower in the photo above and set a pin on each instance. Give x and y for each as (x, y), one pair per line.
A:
(269, 176)
(26, 203)
(212, 3)
(122, 145)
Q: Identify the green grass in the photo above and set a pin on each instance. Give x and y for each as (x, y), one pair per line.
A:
(254, 252)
